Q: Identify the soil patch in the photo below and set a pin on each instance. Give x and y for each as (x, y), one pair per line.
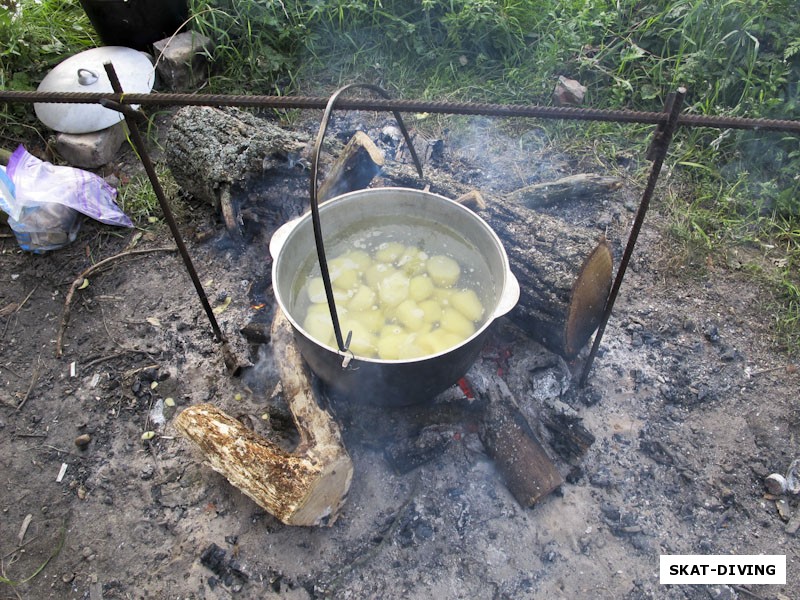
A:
(690, 404)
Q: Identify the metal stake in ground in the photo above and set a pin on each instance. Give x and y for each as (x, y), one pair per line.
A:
(657, 153)
(231, 362)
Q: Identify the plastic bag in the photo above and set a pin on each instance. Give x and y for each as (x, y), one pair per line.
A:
(43, 212)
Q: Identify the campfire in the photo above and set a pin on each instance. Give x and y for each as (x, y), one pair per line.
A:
(564, 273)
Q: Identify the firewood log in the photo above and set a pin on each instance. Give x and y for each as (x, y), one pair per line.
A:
(209, 149)
(304, 487)
(564, 273)
(527, 470)
(581, 187)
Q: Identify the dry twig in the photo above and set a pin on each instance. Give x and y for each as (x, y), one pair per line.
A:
(34, 381)
(84, 275)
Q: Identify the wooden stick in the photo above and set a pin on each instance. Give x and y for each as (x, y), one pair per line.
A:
(304, 487)
(79, 279)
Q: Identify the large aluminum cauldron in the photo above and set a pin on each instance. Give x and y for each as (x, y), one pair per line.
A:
(372, 380)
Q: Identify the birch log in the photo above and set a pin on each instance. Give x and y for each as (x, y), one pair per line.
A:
(304, 487)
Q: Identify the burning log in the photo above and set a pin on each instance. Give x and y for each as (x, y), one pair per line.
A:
(564, 273)
(304, 487)
(354, 169)
(528, 471)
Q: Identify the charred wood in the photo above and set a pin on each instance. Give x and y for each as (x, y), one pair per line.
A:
(210, 148)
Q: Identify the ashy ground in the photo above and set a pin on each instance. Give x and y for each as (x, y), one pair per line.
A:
(690, 403)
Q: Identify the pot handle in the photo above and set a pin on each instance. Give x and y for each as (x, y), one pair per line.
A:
(342, 342)
(509, 296)
(279, 237)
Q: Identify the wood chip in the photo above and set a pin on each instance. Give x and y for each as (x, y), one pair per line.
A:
(24, 528)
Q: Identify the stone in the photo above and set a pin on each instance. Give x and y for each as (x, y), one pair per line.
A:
(90, 150)
(182, 60)
(568, 92)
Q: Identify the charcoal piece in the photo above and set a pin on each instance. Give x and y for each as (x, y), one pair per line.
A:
(407, 455)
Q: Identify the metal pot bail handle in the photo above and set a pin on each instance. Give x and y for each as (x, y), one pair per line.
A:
(341, 343)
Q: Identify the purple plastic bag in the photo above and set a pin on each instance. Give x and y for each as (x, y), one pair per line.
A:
(38, 182)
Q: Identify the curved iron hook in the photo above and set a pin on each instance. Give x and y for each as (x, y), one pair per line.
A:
(342, 344)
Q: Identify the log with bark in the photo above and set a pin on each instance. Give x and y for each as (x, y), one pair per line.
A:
(305, 487)
(564, 272)
(581, 187)
(210, 150)
(528, 471)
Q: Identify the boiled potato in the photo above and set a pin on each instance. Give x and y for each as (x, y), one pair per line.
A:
(363, 298)
(376, 273)
(372, 319)
(319, 326)
(359, 258)
(420, 288)
(432, 311)
(467, 303)
(437, 341)
(389, 252)
(410, 315)
(362, 341)
(344, 273)
(442, 296)
(391, 329)
(316, 292)
(409, 349)
(389, 345)
(412, 261)
(454, 322)
(443, 270)
(393, 289)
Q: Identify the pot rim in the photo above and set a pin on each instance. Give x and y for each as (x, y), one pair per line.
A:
(508, 295)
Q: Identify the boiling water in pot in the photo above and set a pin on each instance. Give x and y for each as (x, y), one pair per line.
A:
(404, 286)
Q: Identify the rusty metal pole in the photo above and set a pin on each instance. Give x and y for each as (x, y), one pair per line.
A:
(657, 153)
(231, 362)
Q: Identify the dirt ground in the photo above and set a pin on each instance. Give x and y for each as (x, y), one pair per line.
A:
(689, 401)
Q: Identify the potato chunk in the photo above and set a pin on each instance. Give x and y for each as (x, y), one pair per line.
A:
(467, 303)
(363, 298)
(410, 315)
(376, 273)
(443, 270)
(362, 341)
(454, 322)
(319, 326)
(412, 261)
(420, 288)
(393, 289)
(389, 252)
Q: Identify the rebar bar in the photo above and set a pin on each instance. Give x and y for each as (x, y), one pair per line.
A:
(416, 106)
(141, 149)
(658, 152)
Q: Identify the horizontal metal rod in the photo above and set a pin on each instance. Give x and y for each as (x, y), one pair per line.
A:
(420, 106)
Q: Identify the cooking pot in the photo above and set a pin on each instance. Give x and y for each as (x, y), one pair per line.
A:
(373, 380)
